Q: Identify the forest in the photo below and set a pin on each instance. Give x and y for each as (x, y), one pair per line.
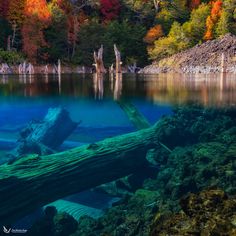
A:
(144, 30)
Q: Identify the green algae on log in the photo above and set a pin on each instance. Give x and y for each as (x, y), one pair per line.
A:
(34, 181)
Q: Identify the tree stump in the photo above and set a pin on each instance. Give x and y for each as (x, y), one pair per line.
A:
(41, 137)
(98, 61)
(118, 60)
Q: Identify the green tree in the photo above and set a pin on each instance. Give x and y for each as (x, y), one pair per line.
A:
(227, 21)
(129, 39)
(4, 33)
(56, 34)
(175, 41)
(91, 36)
(195, 28)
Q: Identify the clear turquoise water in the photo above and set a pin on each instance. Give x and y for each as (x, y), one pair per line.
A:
(23, 99)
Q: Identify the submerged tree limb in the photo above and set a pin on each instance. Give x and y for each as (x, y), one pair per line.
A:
(136, 118)
(34, 181)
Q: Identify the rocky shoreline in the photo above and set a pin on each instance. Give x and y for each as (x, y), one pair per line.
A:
(203, 58)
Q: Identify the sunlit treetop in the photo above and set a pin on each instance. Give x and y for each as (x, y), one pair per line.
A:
(38, 8)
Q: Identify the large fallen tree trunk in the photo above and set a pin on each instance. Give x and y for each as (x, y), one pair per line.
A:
(34, 181)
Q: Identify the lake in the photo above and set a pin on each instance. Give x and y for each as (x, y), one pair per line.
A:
(96, 104)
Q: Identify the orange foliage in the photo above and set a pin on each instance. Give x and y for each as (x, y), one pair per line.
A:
(38, 8)
(213, 18)
(153, 34)
(37, 19)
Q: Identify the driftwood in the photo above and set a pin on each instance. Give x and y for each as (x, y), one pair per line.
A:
(41, 137)
(25, 68)
(34, 181)
(156, 4)
(5, 69)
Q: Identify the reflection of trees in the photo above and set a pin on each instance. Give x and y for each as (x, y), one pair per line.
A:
(206, 89)
(118, 86)
(98, 85)
(173, 89)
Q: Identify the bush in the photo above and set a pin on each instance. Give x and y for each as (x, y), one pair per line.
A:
(10, 57)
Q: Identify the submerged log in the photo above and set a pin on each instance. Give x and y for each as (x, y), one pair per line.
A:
(34, 181)
(41, 137)
(136, 118)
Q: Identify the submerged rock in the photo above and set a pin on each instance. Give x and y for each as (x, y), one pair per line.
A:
(210, 212)
(54, 224)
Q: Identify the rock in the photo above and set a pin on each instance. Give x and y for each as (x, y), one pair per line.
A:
(54, 224)
(204, 58)
(210, 212)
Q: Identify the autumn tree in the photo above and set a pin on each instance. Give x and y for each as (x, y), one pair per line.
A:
(110, 9)
(76, 16)
(37, 19)
(4, 7)
(16, 18)
(153, 34)
(213, 18)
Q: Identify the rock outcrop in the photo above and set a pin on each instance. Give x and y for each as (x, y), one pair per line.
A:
(203, 58)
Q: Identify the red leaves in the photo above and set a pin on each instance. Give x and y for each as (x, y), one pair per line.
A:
(110, 9)
(4, 7)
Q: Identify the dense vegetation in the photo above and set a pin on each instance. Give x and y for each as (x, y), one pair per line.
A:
(143, 29)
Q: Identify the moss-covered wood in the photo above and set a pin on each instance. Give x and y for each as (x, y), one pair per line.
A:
(34, 181)
(136, 118)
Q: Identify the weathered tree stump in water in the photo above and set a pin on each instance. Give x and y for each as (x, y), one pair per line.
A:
(98, 61)
(34, 181)
(41, 137)
(118, 60)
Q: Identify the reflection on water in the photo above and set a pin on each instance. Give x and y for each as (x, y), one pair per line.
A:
(206, 89)
(118, 86)
(215, 89)
(98, 80)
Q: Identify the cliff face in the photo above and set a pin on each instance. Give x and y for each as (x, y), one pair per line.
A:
(203, 58)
